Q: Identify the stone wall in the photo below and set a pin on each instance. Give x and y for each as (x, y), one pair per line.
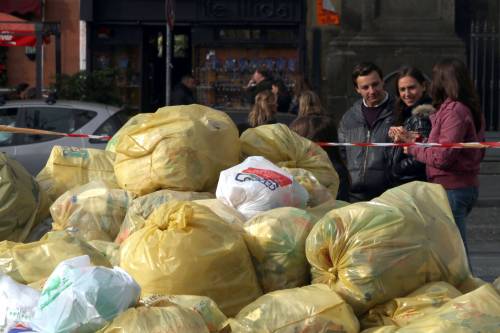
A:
(388, 32)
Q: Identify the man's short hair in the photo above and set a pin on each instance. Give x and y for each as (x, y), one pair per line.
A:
(363, 69)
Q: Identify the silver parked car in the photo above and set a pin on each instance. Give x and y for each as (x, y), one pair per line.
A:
(32, 151)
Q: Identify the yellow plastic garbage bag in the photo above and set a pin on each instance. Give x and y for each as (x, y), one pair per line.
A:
(33, 262)
(496, 284)
(404, 310)
(318, 193)
(180, 147)
(282, 146)
(208, 310)
(382, 329)
(276, 240)
(110, 250)
(171, 319)
(185, 249)
(94, 211)
(23, 205)
(141, 207)
(225, 212)
(68, 167)
(313, 308)
(321, 210)
(477, 312)
(372, 252)
(470, 284)
(132, 124)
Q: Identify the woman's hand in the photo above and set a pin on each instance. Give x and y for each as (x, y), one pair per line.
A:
(394, 132)
(399, 134)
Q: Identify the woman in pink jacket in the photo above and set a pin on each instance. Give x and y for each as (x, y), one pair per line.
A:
(457, 118)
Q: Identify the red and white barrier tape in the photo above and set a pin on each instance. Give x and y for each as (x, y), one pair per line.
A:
(491, 144)
(89, 136)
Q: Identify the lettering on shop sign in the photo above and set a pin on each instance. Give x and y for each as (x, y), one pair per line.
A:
(254, 10)
(270, 179)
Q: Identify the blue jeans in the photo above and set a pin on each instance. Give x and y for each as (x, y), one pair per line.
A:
(461, 202)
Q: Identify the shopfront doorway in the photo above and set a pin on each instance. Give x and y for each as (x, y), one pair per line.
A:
(154, 63)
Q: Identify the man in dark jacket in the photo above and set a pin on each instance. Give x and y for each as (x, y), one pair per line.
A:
(368, 120)
(183, 93)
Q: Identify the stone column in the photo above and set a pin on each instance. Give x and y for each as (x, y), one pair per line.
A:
(390, 33)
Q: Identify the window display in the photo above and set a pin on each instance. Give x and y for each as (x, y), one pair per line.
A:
(126, 61)
(224, 72)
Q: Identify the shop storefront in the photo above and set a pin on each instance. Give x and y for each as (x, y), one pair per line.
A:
(220, 42)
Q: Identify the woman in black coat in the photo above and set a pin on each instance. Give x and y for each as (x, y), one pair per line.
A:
(413, 107)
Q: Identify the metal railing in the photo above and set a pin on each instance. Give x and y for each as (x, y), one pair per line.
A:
(484, 65)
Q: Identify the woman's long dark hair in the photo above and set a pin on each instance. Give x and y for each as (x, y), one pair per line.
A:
(450, 79)
(407, 71)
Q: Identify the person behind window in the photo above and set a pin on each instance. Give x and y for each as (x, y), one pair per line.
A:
(261, 80)
(368, 120)
(183, 93)
(458, 119)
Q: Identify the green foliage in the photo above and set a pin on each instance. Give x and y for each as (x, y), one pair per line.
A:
(96, 86)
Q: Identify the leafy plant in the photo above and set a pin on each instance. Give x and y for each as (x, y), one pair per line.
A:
(96, 86)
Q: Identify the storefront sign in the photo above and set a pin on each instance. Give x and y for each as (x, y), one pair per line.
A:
(326, 13)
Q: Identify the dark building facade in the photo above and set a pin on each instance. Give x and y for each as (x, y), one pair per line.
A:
(220, 42)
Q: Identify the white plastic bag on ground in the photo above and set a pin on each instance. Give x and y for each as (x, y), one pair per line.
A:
(257, 185)
(17, 303)
(78, 297)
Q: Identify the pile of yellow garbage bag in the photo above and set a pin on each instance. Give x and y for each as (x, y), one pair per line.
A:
(141, 207)
(32, 262)
(94, 211)
(178, 148)
(314, 308)
(23, 204)
(185, 248)
(146, 206)
(68, 167)
(276, 240)
(282, 146)
(371, 252)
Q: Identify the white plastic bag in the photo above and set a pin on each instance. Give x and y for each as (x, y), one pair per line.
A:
(257, 185)
(78, 297)
(17, 303)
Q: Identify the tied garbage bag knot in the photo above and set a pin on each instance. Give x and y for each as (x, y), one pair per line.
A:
(176, 218)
